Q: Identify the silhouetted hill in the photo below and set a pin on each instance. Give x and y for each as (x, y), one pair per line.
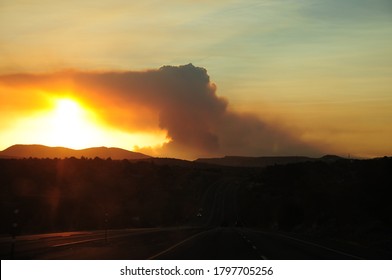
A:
(262, 161)
(168, 161)
(40, 151)
(330, 157)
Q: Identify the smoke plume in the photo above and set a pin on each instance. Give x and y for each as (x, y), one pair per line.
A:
(179, 99)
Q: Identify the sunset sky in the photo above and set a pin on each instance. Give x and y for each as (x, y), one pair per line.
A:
(188, 79)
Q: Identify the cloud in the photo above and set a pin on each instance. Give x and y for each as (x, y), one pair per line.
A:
(181, 100)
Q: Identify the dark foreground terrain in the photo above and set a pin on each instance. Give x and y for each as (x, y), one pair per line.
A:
(168, 209)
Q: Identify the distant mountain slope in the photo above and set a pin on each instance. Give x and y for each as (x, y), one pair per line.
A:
(40, 151)
(261, 161)
(169, 161)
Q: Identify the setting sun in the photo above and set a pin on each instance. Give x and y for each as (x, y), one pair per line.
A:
(69, 123)
(67, 108)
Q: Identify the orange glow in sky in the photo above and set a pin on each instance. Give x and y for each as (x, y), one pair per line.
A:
(69, 123)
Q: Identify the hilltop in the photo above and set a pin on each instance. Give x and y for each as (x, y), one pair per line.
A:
(238, 161)
(41, 151)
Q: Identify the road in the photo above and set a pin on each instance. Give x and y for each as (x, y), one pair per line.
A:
(213, 233)
(222, 243)
(238, 243)
(118, 244)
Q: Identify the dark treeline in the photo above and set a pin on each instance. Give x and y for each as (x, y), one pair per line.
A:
(343, 199)
(76, 194)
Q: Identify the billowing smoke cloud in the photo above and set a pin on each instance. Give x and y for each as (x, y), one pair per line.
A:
(185, 104)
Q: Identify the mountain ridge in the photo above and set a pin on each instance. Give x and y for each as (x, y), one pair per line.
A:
(42, 151)
(244, 161)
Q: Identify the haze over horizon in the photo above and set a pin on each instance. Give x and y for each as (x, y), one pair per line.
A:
(267, 77)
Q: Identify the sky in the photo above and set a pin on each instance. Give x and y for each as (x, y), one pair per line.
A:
(200, 78)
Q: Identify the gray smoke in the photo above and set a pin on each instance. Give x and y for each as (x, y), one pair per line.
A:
(185, 103)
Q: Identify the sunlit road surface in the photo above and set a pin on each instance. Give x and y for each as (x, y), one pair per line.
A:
(115, 244)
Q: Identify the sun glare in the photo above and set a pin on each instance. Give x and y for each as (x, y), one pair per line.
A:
(67, 107)
(69, 123)
(72, 125)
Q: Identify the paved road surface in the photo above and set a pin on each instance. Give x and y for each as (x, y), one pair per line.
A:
(178, 243)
